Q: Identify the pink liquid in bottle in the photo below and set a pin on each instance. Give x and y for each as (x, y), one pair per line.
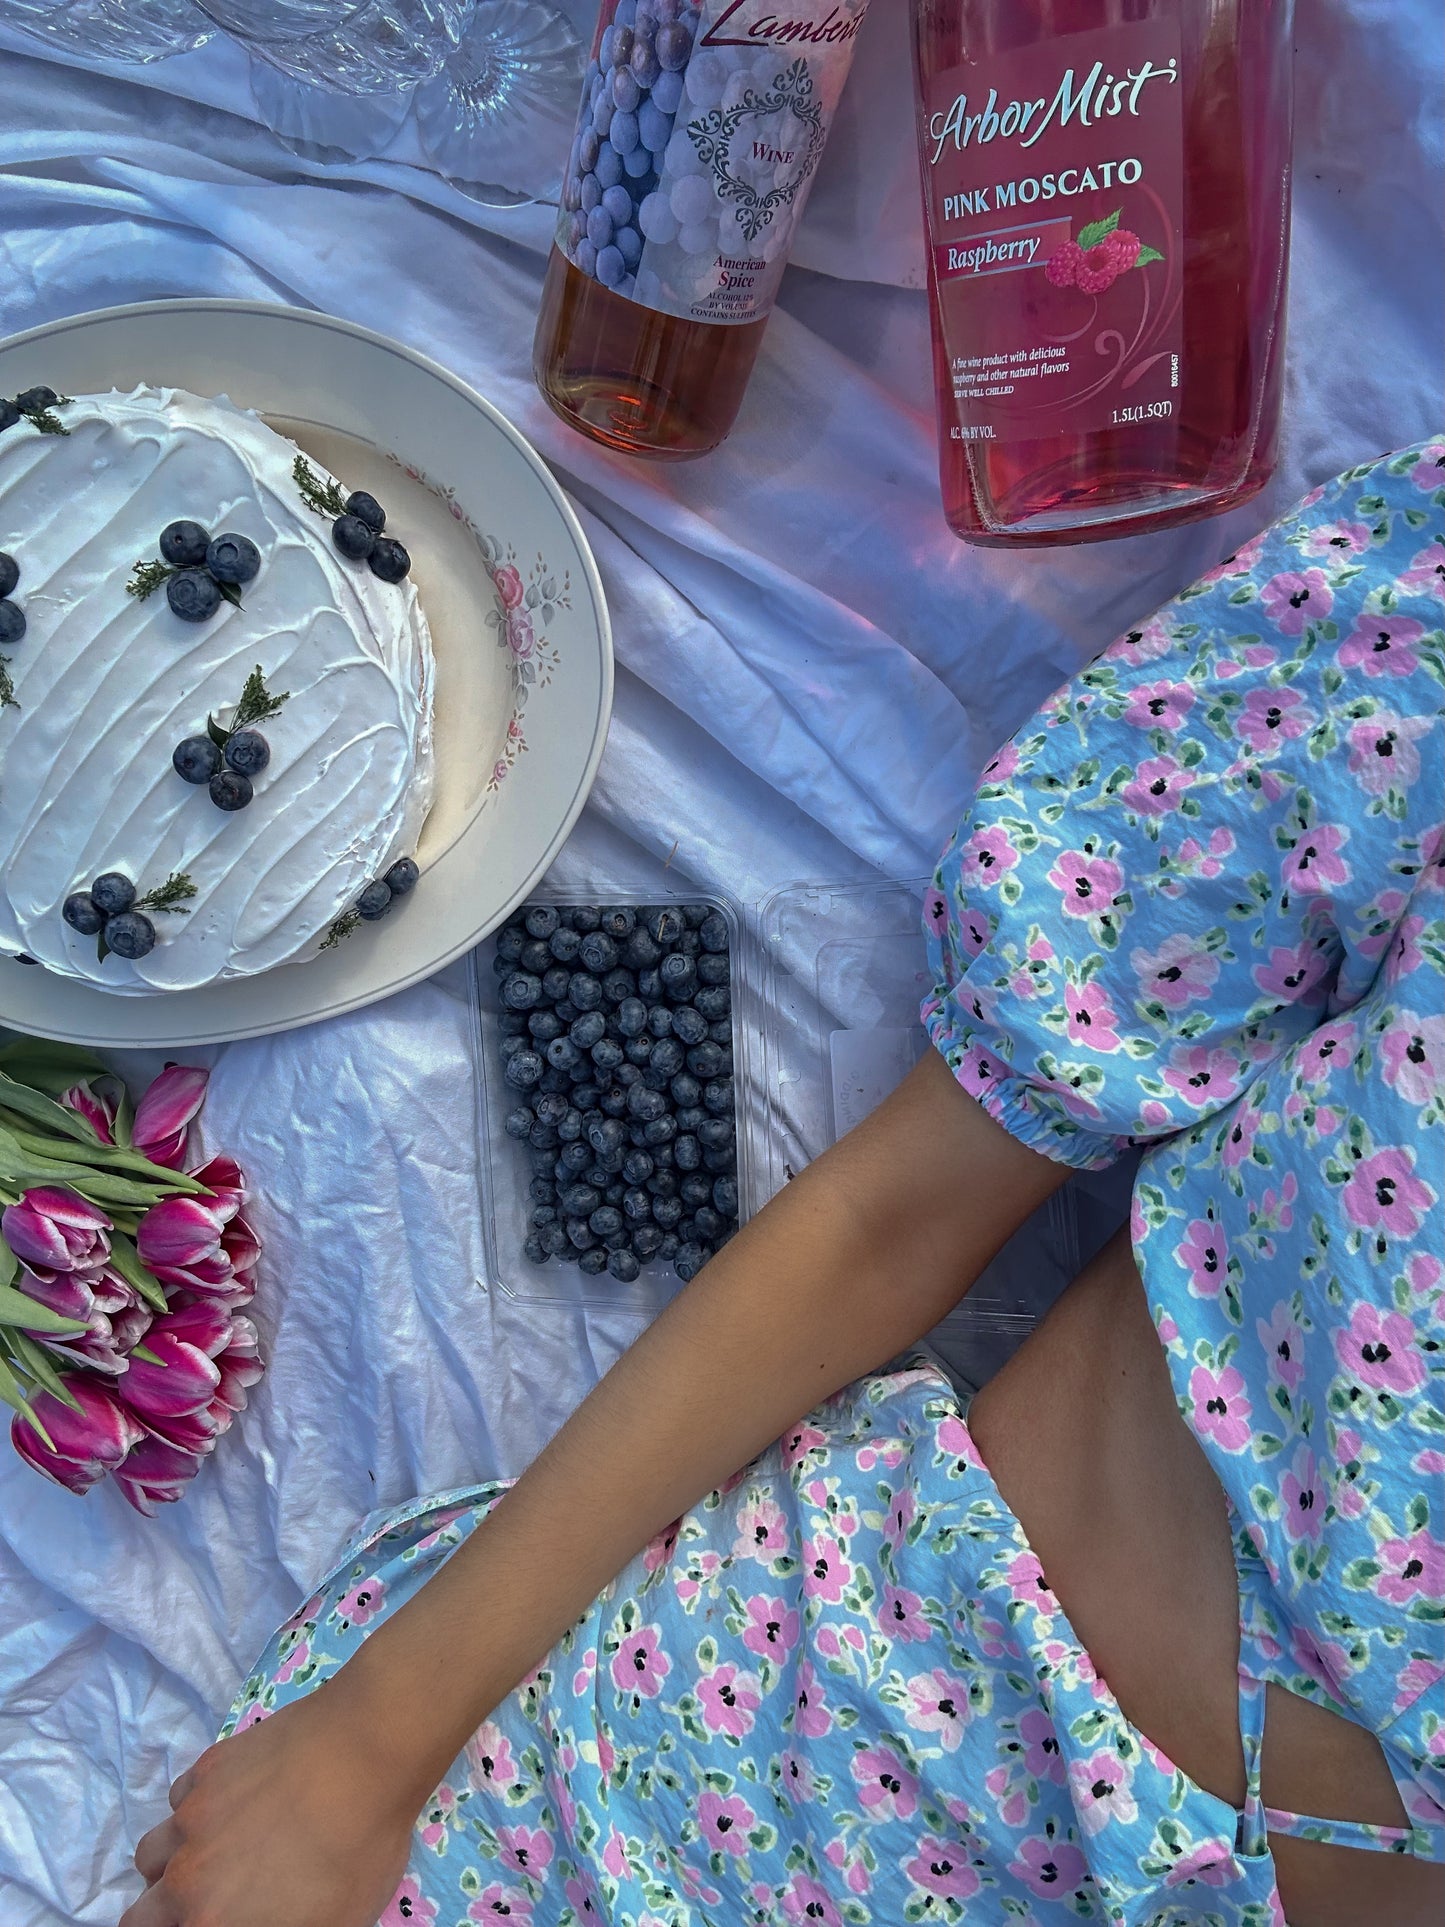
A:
(1106, 194)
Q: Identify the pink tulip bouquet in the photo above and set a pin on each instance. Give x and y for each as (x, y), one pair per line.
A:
(123, 1348)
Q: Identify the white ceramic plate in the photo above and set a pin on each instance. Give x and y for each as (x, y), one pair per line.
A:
(523, 697)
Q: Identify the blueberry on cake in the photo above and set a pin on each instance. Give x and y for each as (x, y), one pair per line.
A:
(216, 686)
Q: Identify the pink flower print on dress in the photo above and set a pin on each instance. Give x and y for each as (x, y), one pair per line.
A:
(488, 1754)
(1416, 1677)
(725, 1822)
(807, 1904)
(1025, 1578)
(1304, 1502)
(1088, 885)
(901, 1615)
(730, 1699)
(292, 1656)
(987, 857)
(1338, 539)
(762, 1530)
(1283, 1340)
(1314, 865)
(1050, 1867)
(1101, 1791)
(364, 1601)
(800, 1444)
(1383, 1193)
(1413, 1049)
(508, 584)
(856, 1876)
(1159, 705)
(1412, 1568)
(1091, 1017)
(640, 1665)
(1179, 972)
(1238, 1145)
(1326, 1048)
(939, 1868)
(1426, 573)
(956, 1440)
(811, 1718)
(1382, 645)
(1003, 766)
(1204, 1253)
(1141, 645)
(1221, 1409)
(1405, 955)
(526, 1850)
(1429, 472)
(935, 911)
(1043, 1758)
(1295, 598)
(614, 1855)
(502, 1906)
(938, 1703)
(409, 1907)
(1380, 1349)
(773, 1629)
(1383, 755)
(1206, 1075)
(1271, 717)
(1156, 787)
(886, 1788)
(1210, 1864)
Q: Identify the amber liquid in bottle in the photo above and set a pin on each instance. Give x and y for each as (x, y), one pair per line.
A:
(640, 381)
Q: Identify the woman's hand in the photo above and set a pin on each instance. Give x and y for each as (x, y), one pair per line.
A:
(289, 1824)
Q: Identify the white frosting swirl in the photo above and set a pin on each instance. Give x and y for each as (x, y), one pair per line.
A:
(106, 686)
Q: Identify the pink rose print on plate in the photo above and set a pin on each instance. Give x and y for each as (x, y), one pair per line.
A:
(1221, 1409)
(409, 1907)
(1294, 598)
(1206, 1075)
(1156, 787)
(773, 1629)
(1283, 1340)
(1101, 1791)
(1382, 645)
(886, 1788)
(1304, 1501)
(1048, 1867)
(730, 1699)
(1091, 1017)
(1383, 1193)
(939, 1868)
(725, 1822)
(1426, 573)
(938, 1703)
(520, 634)
(1413, 1050)
(508, 584)
(1158, 705)
(1383, 755)
(1271, 717)
(987, 857)
(1412, 1568)
(1381, 1349)
(639, 1665)
(1088, 885)
(1338, 539)
(1179, 972)
(1204, 1253)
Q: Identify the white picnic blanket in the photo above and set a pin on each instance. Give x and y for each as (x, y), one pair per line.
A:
(810, 672)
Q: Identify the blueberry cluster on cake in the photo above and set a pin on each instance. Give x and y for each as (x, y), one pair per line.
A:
(216, 688)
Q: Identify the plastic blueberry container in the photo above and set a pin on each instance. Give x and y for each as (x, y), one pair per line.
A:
(505, 1167)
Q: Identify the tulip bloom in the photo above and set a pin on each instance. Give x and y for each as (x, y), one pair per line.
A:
(85, 1444)
(115, 1319)
(202, 1244)
(55, 1230)
(96, 1107)
(155, 1473)
(163, 1116)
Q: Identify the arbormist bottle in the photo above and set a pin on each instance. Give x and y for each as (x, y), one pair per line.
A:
(701, 127)
(1106, 193)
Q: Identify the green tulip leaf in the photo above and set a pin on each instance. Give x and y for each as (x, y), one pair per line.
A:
(49, 1067)
(13, 1393)
(19, 1308)
(126, 1260)
(34, 1360)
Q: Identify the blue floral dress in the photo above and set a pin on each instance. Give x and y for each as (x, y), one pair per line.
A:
(1198, 902)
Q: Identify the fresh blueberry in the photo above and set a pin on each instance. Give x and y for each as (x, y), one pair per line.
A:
(521, 991)
(34, 401)
(679, 977)
(536, 957)
(649, 985)
(618, 986)
(637, 1167)
(9, 573)
(80, 912)
(533, 1250)
(713, 968)
(542, 1137)
(130, 935)
(112, 894)
(606, 1137)
(585, 991)
(248, 751)
(686, 1090)
(689, 1116)
(632, 1017)
(193, 595)
(509, 943)
(645, 1105)
(639, 952)
(659, 1021)
(725, 1196)
(510, 1044)
(647, 1240)
(689, 1026)
(353, 537)
(714, 1001)
(718, 1097)
(12, 623)
(196, 760)
(705, 1060)
(687, 1152)
(623, 1265)
(230, 790)
(663, 1182)
(366, 509)
(544, 1025)
(575, 1157)
(598, 953)
(401, 878)
(606, 1221)
(695, 1190)
(714, 932)
(589, 1029)
(659, 1130)
(594, 1262)
(627, 1075)
(555, 981)
(389, 560)
(375, 900)
(716, 1133)
(524, 1070)
(607, 1054)
(579, 1200)
(586, 917)
(519, 1122)
(639, 1051)
(689, 1261)
(233, 558)
(9, 415)
(564, 945)
(541, 920)
(543, 1215)
(563, 1054)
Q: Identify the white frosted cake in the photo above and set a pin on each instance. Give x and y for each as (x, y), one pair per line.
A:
(107, 679)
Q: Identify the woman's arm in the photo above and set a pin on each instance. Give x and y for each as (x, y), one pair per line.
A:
(859, 1256)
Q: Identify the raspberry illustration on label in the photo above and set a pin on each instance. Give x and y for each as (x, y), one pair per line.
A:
(1099, 254)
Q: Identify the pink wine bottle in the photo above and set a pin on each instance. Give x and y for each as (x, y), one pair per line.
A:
(1106, 195)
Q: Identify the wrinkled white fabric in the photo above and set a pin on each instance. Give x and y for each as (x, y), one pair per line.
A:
(810, 672)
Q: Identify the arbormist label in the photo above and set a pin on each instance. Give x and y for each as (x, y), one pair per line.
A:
(700, 132)
(1054, 183)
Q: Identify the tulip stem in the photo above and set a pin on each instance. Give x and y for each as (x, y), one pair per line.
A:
(126, 1259)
